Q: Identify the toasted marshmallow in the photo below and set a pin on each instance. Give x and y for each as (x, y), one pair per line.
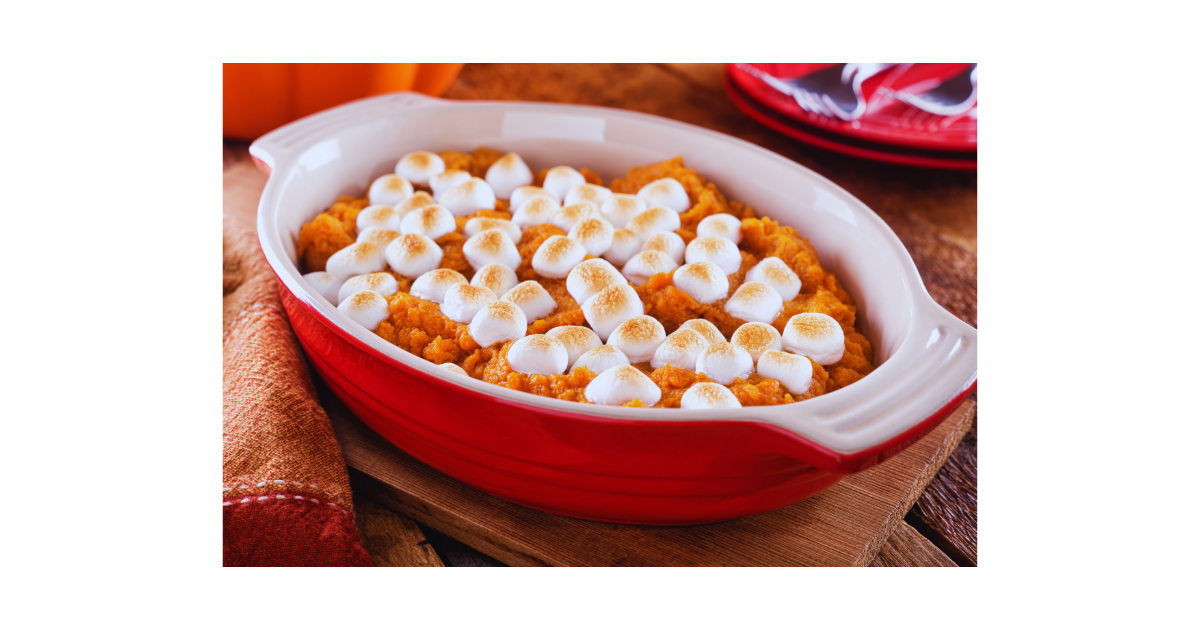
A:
(536, 210)
(420, 199)
(507, 174)
(368, 308)
(666, 192)
(595, 234)
(468, 198)
(624, 245)
(491, 247)
(576, 339)
(654, 220)
(432, 285)
(680, 349)
(600, 359)
(496, 322)
(462, 301)
(533, 299)
(645, 264)
(566, 218)
(326, 284)
(610, 307)
(589, 276)
(523, 193)
(413, 254)
(450, 367)
(723, 362)
(537, 354)
(433, 221)
(380, 282)
(355, 260)
(418, 166)
(723, 225)
(778, 275)
(708, 396)
(587, 193)
(379, 236)
(447, 180)
(479, 224)
(557, 256)
(380, 216)
(621, 384)
(638, 337)
(389, 190)
(560, 179)
(816, 336)
(755, 302)
(756, 338)
(704, 281)
(707, 329)
(667, 242)
(620, 208)
(499, 278)
(791, 370)
(717, 250)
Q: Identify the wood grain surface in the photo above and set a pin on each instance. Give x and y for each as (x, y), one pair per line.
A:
(907, 548)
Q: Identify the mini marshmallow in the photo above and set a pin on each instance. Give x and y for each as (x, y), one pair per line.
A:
(491, 247)
(450, 367)
(621, 384)
(755, 302)
(523, 193)
(708, 396)
(479, 224)
(625, 244)
(499, 278)
(496, 322)
(680, 349)
(610, 307)
(326, 284)
(589, 276)
(379, 236)
(556, 257)
(420, 199)
(707, 329)
(533, 299)
(601, 359)
(638, 337)
(816, 336)
(723, 225)
(587, 193)
(791, 370)
(666, 192)
(380, 282)
(413, 254)
(595, 234)
(433, 221)
(468, 198)
(462, 301)
(432, 285)
(560, 179)
(667, 242)
(717, 250)
(645, 264)
(418, 166)
(566, 218)
(536, 210)
(778, 275)
(355, 260)
(756, 338)
(447, 180)
(368, 308)
(507, 174)
(576, 339)
(723, 362)
(652, 221)
(389, 190)
(380, 216)
(537, 354)
(704, 281)
(619, 209)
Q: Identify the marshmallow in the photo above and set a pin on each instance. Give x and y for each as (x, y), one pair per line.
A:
(450, 367)
(380, 282)
(680, 349)
(433, 221)
(723, 225)
(638, 337)
(587, 193)
(755, 302)
(507, 174)
(379, 236)
(368, 308)
(533, 299)
(537, 354)
(645, 264)
(595, 234)
(479, 224)
(419, 200)
(576, 339)
(791, 370)
(600, 359)
(355, 260)
(566, 218)
(723, 362)
(707, 329)
(491, 247)
(536, 210)
(389, 190)
(380, 216)
(756, 338)
(560, 179)
(496, 322)
(468, 198)
(620, 208)
(668, 242)
(556, 257)
(717, 250)
(778, 275)
(816, 336)
(462, 301)
(413, 254)
(499, 278)
(625, 244)
(432, 285)
(666, 192)
(621, 384)
(326, 284)
(589, 276)
(418, 166)
(652, 221)
(704, 281)
(610, 307)
(447, 180)
(523, 193)
(708, 396)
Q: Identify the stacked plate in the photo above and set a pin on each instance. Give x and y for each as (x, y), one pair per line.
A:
(890, 130)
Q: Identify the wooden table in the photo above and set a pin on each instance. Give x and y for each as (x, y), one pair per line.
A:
(933, 213)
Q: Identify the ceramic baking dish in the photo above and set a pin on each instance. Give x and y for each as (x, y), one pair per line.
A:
(660, 466)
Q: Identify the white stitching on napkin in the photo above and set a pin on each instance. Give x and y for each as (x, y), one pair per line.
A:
(280, 496)
(263, 484)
